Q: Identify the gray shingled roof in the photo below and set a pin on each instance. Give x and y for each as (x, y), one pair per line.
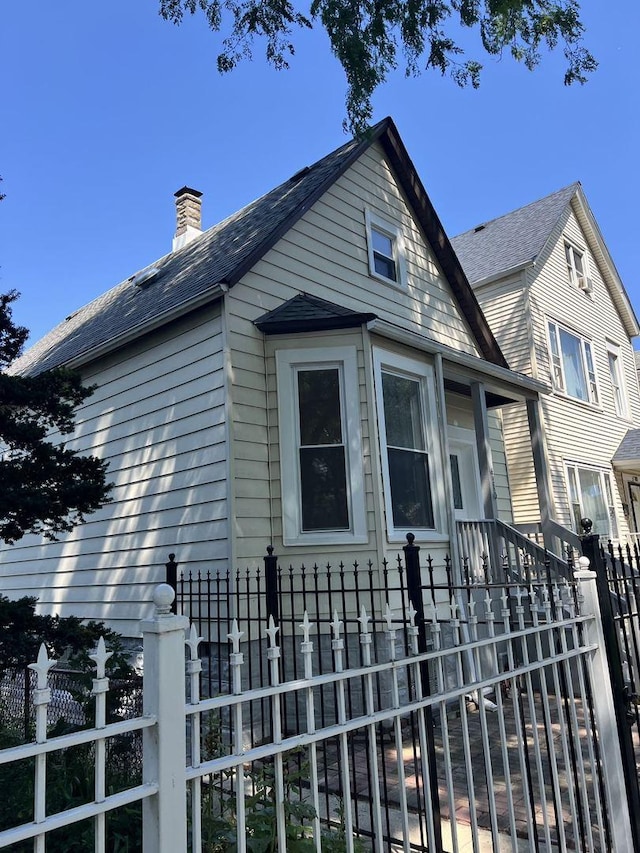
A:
(629, 449)
(192, 276)
(217, 256)
(508, 242)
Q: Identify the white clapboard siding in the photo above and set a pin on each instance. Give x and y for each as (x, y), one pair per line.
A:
(576, 431)
(505, 305)
(157, 416)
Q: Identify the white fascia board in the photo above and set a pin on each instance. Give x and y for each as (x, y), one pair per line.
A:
(523, 387)
(611, 275)
(209, 296)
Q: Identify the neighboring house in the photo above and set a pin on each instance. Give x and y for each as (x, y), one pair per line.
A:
(556, 305)
(314, 372)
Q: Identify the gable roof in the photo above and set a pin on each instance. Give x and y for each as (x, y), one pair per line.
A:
(515, 240)
(202, 270)
(495, 248)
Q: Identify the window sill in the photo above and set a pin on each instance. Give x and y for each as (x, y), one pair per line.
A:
(396, 285)
(421, 537)
(585, 404)
(339, 537)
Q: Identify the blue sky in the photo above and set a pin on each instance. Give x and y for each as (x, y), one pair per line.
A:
(107, 110)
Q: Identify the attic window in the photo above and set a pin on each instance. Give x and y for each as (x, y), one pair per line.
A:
(385, 249)
(577, 268)
(140, 279)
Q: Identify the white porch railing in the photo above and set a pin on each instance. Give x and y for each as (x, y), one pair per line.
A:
(540, 758)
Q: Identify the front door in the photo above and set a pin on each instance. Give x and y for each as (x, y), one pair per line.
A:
(465, 474)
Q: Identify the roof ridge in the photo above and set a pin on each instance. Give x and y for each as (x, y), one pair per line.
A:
(485, 222)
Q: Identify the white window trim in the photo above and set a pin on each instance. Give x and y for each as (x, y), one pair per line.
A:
(394, 232)
(594, 397)
(287, 364)
(383, 359)
(572, 272)
(605, 474)
(621, 407)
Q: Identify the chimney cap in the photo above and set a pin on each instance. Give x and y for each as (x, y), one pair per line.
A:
(187, 191)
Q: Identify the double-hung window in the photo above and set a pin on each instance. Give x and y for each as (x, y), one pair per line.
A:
(617, 382)
(591, 496)
(410, 461)
(385, 247)
(320, 446)
(577, 267)
(572, 364)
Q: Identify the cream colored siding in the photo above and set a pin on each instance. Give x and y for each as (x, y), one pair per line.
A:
(505, 305)
(157, 417)
(324, 253)
(575, 431)
(500, 471)
(522, 478)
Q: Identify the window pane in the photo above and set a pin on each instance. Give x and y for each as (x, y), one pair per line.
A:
(455, 479)
(319, 406)
(381, 243)
(575, 379)
(324, 488)
(402, 412)
(383, 254)
(593, 502)
(410, 488)
(384, 266)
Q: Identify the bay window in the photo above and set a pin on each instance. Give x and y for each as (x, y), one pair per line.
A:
(410, 462)
(320, 446)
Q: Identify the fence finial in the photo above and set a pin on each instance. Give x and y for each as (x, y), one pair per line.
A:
(163, 596)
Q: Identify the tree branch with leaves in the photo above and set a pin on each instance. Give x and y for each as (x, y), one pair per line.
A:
(46, 487)
(370, 38)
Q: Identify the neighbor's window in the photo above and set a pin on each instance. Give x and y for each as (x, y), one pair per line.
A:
(410, 461)
(577, 267)
(617, 383)
(572, 364)
(320, 446)
(386, 250)
(591, 496)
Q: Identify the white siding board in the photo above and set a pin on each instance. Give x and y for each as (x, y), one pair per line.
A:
(158, 417)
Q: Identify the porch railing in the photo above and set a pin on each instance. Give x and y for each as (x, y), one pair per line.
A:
(492, 546)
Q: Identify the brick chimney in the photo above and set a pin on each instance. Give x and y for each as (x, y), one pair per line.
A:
(188, 217)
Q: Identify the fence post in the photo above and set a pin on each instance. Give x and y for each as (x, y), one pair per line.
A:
(172, 580)
(164, 816)
(414, 589)
(271, 585)
(614, 675)
(605, 707)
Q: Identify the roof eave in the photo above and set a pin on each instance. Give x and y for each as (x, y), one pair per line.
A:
(214, 294)
(608, 267)
(437, 238)
(524, 386)
(489, 279)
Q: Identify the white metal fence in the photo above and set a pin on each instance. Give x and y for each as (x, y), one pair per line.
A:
(523, 756)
